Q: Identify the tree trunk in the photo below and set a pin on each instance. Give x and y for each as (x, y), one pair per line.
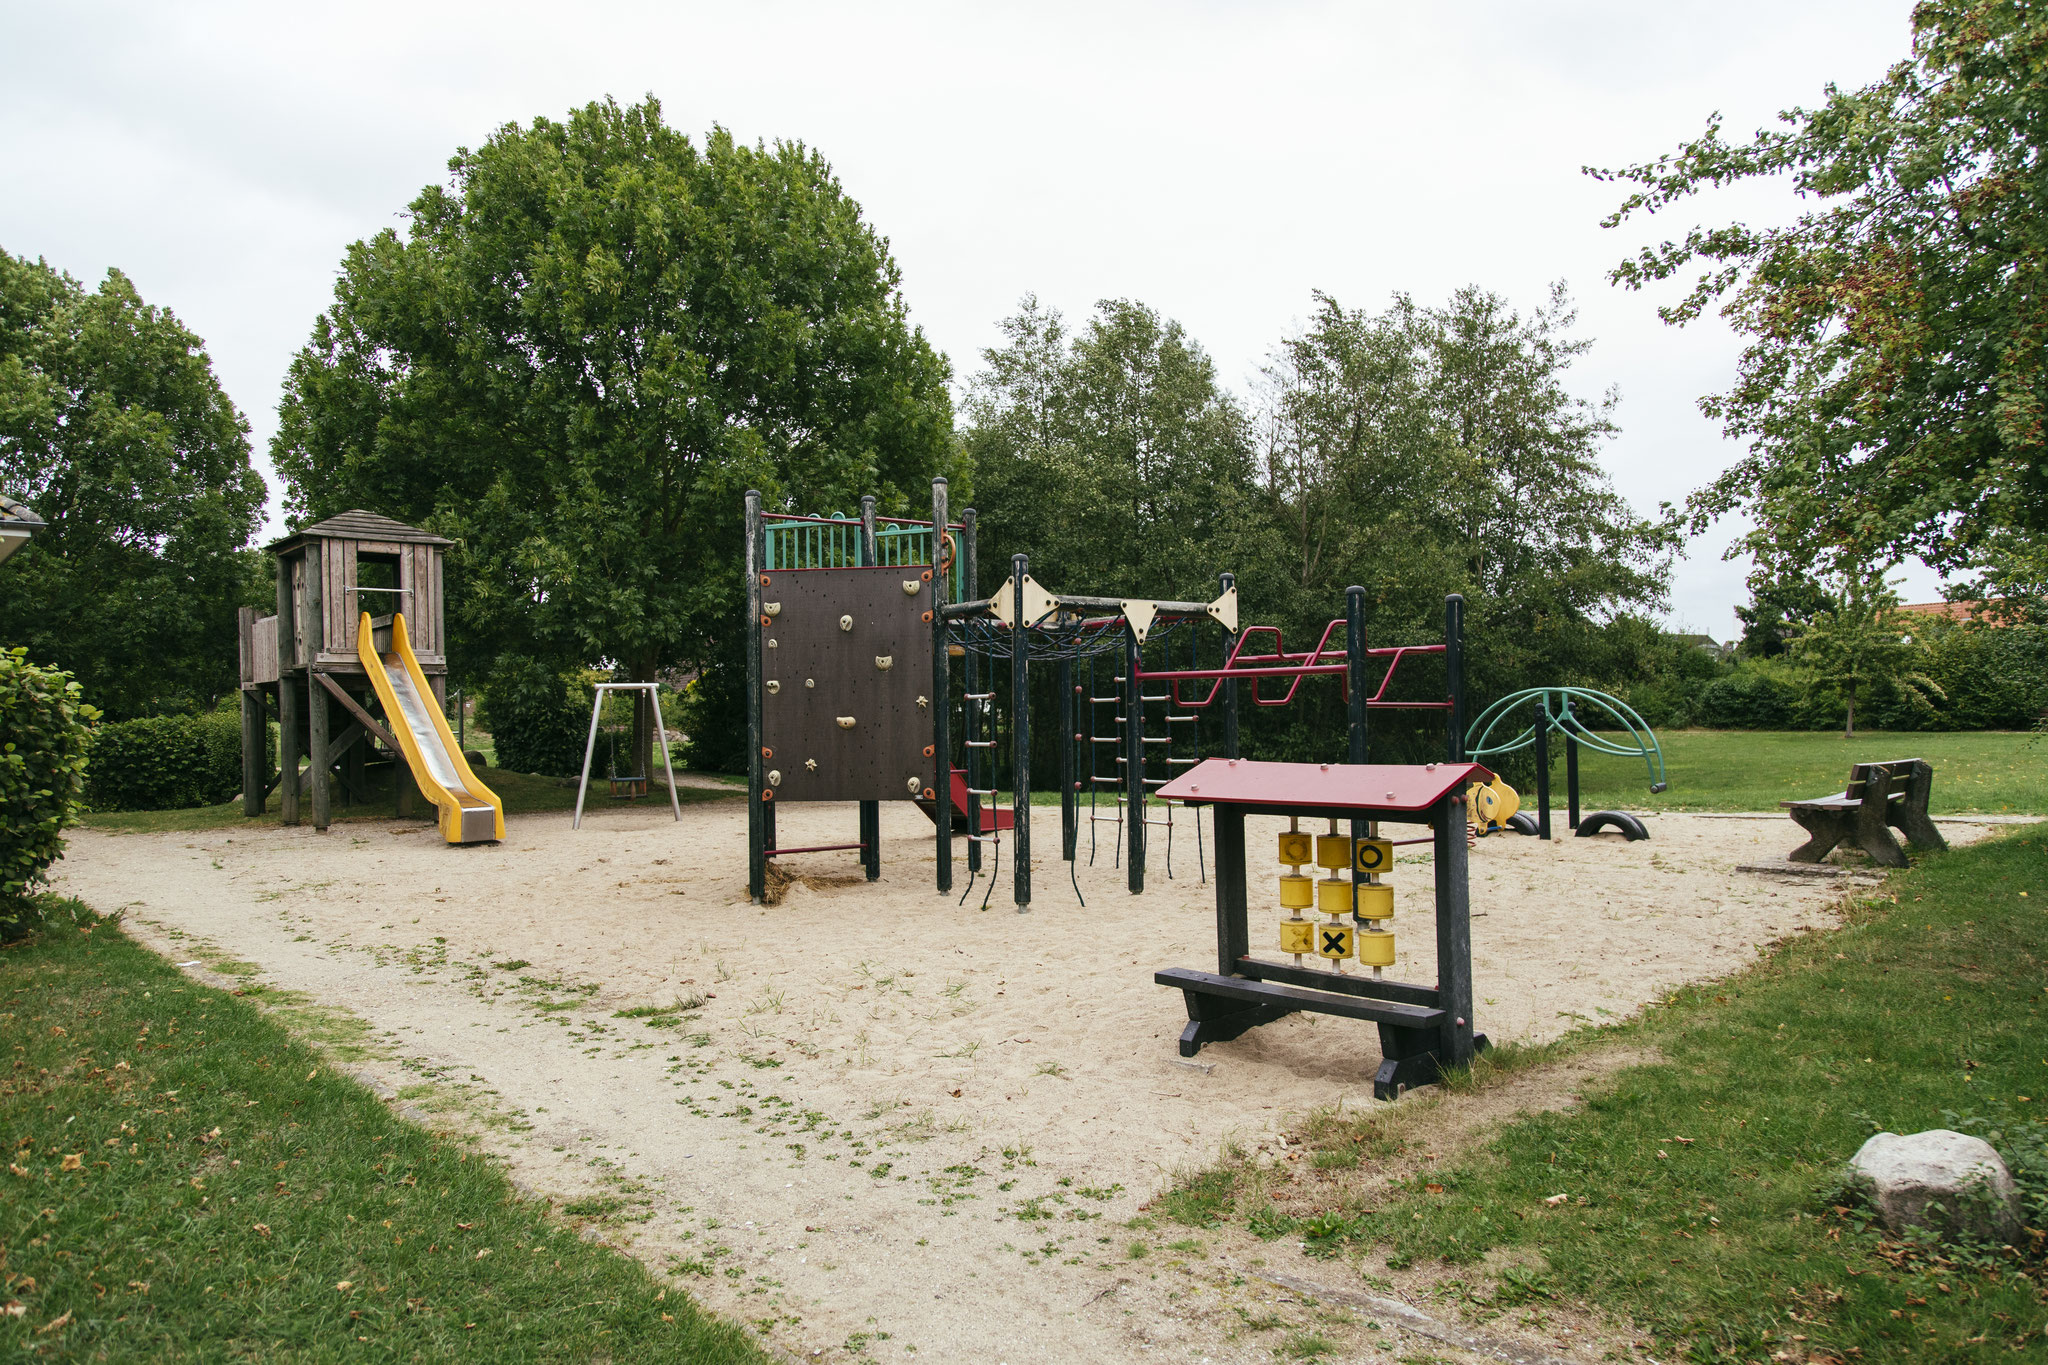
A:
(1849, 728)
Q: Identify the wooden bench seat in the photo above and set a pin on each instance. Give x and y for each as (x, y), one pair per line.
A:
(1879, 798)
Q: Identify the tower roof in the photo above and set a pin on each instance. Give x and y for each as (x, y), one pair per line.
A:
(356, 524)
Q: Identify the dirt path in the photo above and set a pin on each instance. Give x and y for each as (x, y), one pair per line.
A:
(870, 1121)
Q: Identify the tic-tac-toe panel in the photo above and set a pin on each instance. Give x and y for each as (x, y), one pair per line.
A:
(846, 663)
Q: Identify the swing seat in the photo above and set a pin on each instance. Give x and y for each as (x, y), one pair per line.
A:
(627, 788)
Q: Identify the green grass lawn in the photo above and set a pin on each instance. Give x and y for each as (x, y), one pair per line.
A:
(522, 793)
(187, 1182)
(1739, 770)
(1753, 770)
(1700, 1192)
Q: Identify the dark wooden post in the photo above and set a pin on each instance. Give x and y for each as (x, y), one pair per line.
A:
(1453, 932)
(757, 768)
(1571, 763)
(1354, 681)
(1454, 674)
(1543, 768)
(977, 675)
(317, 755)
(288, 684)
(1233, 931)
(1134, 764)
(941, 699)
(255, 752)
(1229, 581)
(1070, 739)
(1020, 738)
(871, 811)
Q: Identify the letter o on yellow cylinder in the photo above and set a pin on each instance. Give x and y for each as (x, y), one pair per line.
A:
(1296, 892)
(1333, 896)
(1376, 902)
(1294, 847)
(1297, 936)
(1333, 851)
(1376, 950)
(1374, 855)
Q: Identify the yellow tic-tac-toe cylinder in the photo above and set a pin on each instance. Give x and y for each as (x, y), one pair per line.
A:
(1333, 851)
(1375, 901)
(1376, 950)
(1333, 896)
(1295, 846)
(1374, 855)
(1297, 936)
(1334, 941)
(1296, 892)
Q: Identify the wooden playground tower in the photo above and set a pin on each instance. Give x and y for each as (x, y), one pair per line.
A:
(303, 664)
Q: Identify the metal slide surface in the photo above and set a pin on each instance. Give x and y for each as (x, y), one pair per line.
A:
(469, 812)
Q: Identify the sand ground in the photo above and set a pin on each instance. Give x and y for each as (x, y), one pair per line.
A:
(884, 1125)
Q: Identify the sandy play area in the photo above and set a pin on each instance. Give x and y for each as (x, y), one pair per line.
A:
(868, 1120)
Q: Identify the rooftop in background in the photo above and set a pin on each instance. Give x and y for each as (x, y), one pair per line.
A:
(356, 524)
(17, 525)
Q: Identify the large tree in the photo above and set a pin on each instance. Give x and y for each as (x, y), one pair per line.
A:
(578, 356)
(1110, 455)
(1893, 389)
(115, 431)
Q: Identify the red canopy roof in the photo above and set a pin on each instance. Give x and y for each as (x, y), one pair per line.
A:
(1348, 786)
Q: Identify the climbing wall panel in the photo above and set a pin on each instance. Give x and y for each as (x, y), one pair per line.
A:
(845, 664)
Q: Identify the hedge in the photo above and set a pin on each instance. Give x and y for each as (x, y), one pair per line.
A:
(536, 717)
(165, 762)
(44, 733)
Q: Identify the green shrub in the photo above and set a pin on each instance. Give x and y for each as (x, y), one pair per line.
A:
(536, 717)
(44, 732)
(165, 763)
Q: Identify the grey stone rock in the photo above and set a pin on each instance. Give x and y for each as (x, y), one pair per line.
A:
(1949, 1183)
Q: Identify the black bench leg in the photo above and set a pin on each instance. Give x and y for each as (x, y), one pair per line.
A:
(1215, 1019)
(1873, 831)
(1410, 1059)
(1911, 813)
(1824, 829)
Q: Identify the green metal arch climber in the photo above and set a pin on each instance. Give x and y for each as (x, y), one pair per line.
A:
(1565, 710)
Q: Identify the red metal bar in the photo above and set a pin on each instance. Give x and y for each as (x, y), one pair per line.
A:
(815, 848)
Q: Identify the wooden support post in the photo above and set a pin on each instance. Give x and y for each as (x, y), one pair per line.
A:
(1020, 739)
(319, 757)
(1134, 764)
(941, 700)
(1070, 739)
(1233, 929)
(1354, 684)
(287, 696)
(1453, 932)
(871, 811)
(757, 774)
(255, 752)
(355, 780)
(1571, 766)
(1543, 769)
(977, 674)
(1454, 675)
(1230, 746)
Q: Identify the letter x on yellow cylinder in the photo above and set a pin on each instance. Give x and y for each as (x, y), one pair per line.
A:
(1297, 936)
(1334, 940)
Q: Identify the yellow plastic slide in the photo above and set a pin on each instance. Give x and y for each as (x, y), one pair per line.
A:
(470, 812)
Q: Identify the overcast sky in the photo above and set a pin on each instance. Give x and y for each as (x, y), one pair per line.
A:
(1217, 161)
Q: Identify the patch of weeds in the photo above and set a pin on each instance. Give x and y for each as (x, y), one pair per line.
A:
(1137, 1250)
(1202, 1201)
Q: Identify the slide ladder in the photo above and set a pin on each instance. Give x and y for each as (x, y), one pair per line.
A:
(469, 812)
